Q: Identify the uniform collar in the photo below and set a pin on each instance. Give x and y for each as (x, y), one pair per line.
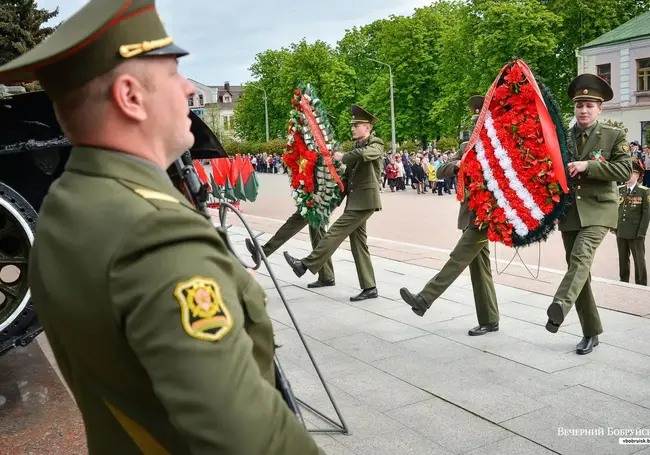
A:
(631, 188)
(587, 131)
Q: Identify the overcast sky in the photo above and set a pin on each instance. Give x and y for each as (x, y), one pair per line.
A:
(223, 37)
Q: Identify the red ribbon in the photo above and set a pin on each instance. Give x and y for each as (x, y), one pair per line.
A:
(548, 130)
(320, 140)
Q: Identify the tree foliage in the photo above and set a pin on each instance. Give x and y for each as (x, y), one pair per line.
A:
(21, 27)
(440, 56)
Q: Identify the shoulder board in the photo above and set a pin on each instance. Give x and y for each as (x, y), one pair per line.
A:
(154, 195)
(643, 187)
(623, 185)
(610, 127)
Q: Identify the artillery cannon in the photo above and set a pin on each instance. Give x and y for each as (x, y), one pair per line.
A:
(33, 154)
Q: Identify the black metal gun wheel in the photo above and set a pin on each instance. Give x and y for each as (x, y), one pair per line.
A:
(17, 220)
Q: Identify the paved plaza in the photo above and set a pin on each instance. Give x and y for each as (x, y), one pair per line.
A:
(408, 385)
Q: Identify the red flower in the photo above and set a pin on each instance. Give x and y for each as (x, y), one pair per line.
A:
(294, 101)
(297, 92)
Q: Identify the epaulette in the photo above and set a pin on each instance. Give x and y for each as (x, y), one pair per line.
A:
(154, 195)
(643, 187)
(610, 127)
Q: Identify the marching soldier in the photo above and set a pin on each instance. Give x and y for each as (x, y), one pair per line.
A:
(633, 220)
(362, 179)
(161, 334)
(472, 250)
(288, 230)
(599, 161)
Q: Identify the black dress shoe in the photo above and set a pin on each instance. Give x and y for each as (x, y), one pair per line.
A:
(296, 264)
(555, 315)
(586, 345)
(321, 284)
(483, 329)
(417, 303)
(365, 295)
(255, 254)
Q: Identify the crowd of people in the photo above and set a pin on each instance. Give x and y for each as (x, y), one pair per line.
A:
(417, 170)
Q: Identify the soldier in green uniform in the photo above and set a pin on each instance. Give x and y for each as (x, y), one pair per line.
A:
(362, 180)
(599, 161)
(288, 230)
(472, 250)
(162, 336)
(633, 220)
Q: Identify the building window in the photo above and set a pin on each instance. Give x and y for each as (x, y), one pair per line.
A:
(226, 99)
(190, 102)
(605, 71)
(226, 122)
(200, 99)
(643, 75)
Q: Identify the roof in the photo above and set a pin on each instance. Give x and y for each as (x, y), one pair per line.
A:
(632, 30)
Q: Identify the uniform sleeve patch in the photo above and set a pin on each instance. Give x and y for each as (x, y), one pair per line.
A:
(203, 312)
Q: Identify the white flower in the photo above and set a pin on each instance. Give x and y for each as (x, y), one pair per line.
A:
(303, 211)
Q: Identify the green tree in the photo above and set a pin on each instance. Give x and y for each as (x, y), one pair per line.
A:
(21, 27)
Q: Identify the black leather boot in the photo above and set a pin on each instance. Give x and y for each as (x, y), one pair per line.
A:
(296, 265)
(417, 303)
(255, 255)
(321, 284)
(555, 315)
(483, 329)
(366, 294)
(586, 345)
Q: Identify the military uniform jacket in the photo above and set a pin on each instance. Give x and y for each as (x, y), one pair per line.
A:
(362, 177)
(596, 192)
(162, 336)
(449, 169)
(633, 212)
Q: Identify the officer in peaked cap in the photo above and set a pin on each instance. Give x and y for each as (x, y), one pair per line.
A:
(161, 334)
(472, 251)
(633, 222)
(362, 179)
(599, 160)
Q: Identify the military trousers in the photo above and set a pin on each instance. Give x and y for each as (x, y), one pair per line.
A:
(352, 223)
(473, 251)
(575, 289)
(288, 230)
(637, 248)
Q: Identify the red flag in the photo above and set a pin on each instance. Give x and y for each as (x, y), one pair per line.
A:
(200, 172)
(246, 170)
(220, 170)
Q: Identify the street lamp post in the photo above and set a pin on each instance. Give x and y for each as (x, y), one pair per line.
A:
(392, 104)
(266, 110)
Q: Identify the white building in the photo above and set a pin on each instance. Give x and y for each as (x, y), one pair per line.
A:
(215, 104)
(622, 57)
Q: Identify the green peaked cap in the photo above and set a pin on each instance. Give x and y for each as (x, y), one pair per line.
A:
(589, 87)
(360, 115)
(100, 36)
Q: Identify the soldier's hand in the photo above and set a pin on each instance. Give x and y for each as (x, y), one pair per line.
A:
(613, 231)
(252, 272)
(576, 167)
(338, 156)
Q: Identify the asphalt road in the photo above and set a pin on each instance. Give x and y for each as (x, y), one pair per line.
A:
(426, 219)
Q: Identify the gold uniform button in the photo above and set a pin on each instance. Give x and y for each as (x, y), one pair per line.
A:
(578, 187)
(579, 197)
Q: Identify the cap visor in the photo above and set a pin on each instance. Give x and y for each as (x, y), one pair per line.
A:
(172, 49)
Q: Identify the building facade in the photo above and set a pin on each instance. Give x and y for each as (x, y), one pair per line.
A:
(622, 57)
(215, 104)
